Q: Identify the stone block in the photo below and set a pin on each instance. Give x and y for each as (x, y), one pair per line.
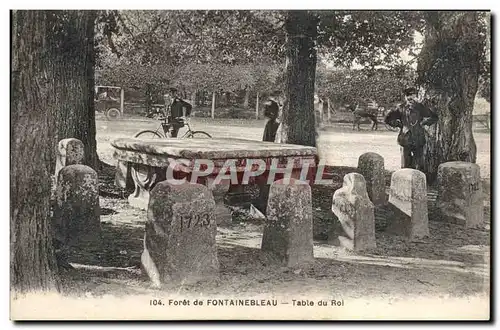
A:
(77, 213)
(355, 212)
(69, 152)
(408, 201)
(288, 233)
(179, 243)
(371, 166)
(460, 198)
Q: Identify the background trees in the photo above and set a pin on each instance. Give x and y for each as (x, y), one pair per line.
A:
(344, 86)
(55, 54)
(232, 45)
(214, 51)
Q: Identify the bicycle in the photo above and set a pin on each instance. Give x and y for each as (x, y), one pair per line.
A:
(164, 131)
(144, 175)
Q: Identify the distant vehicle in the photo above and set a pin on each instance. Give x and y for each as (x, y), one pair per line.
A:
(109, 100)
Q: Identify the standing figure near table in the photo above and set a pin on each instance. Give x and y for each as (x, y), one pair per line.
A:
(277, 99)
(271, 111)
(179, 110)
(410, 117)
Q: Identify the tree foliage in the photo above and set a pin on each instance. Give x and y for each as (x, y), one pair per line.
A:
(194, 41)
(454, 52)
(353, 86)
(192, 50)
(366, 38)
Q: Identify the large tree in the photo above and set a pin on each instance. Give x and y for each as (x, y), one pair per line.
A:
(298, 125)
(449, 68)
(71, 58)
(33, 265)
(368, 39)
(52, 99)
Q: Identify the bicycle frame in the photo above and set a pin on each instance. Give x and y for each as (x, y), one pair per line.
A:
(166, 126)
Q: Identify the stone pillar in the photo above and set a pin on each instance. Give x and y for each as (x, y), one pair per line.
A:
(145, 177)
(371, 166)
(77, 213)
(408, 200)
(288, 233)
(179, 241)
(223, 214)
(123, 178)
(356, 213)
(460, 197)
(69, 152)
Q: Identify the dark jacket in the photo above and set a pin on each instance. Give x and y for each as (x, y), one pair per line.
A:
(270, 130)
(411, 118)
(176, 108)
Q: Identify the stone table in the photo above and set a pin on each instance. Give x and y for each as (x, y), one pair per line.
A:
(148, 160)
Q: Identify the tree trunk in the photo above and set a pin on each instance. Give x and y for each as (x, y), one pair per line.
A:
(213, 105)
(329, 109)
(257, 107)
(223, 99)
(298, 115)
(193, 99)
(122, 103)
(73, 61)
(33, 265)
(205, 97)
(201, 98)
(448, 72)
(149, 98)
(247, 98)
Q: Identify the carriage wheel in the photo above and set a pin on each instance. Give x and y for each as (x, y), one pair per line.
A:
(113, 114)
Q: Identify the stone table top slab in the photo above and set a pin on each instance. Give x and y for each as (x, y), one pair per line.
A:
(217, 148)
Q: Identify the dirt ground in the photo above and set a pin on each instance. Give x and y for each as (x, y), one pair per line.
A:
(451, 263)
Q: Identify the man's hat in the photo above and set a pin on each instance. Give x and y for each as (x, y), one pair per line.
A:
(409, 91)
(172, 89)
(271, 107)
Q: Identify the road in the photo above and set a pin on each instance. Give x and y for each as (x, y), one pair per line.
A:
(339, 145)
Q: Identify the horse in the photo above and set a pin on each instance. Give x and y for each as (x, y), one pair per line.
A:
(364, 111)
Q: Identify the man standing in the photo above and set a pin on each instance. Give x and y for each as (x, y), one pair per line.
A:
(271, 110)
(274, 108)
(179, 110)
(410, 117)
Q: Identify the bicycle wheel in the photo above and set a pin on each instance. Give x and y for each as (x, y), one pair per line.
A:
(198, 135)
(148, 134)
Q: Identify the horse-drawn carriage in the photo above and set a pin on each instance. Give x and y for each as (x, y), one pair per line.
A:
(371, 110)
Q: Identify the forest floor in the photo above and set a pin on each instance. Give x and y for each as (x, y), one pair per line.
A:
(447, 275)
